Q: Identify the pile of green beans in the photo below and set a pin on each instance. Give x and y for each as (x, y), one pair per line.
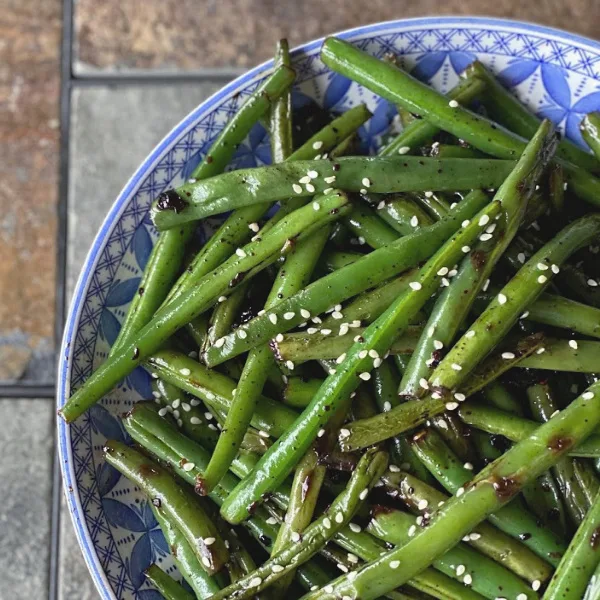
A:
(413, 410)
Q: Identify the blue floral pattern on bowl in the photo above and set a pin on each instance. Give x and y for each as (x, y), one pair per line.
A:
(556, 74)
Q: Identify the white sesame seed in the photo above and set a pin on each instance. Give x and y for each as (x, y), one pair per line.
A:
(468, 580)
(542, 266)
(587, 395)
(415, 285)
(424, 383)
(344, 569)
(329, 179)
(363, 354)
(394, 468)
(377, 363)
(428, 194)
(466, 249)
(465, 223)
(242, 334)
(387, 406)
(542, 279)
(325, 331)
(272, 521)
(437, 344)
(502, 299)
(573, 344)
(436, 395)
(339, 518)
(484, 237)
(521, 257)
(188, 466)
(305, 179)
(279, 337)
(311, 330)
(491, 228)
(186, 407)
(412, 530)
(445, 282)
(256, 581)
(344, 433)
(366, 182)
(508, 355)
(451, 405)
(470, 333)
(443, 271)
(404, 150)
(460, 397)
(484, 220)
(205, 561)
(321, 433)
(273, 318)
(394, 564)
(162, 412)
(336, 314)
(364, 494)
(365, 376)
(535, 585)
(592, 283)
(277, 568)
(486, 285)
(219, 342)
(354, 527)
(453, 104)
(452, 273)
(295, 536)
(328, 589)
(361, 239)
(195, 421)
(540, 351)
(288, 316)
(263, 433)
(456, 367)
(240, 252)
(474, 536)
(555, 269)
(209, 541)
(460, 570)
(468, 466)
(310, 188)
(414, 221)
(423, 504)
(289, 364)
(460, 491)
(522, 597)
(304, 313)
(344, 328)
(317, 145)
(313, 174)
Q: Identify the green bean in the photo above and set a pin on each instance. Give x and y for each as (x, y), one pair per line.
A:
(299, 392)
(401, 88)
(580, 560)
(225, 313)
(367, 272)
(236, 229)
(216, 389)
(167, 254)
(449, 151)
(367, 226)
(556, 189)
(293, 275)
(436, 205)
(256, 256)
(589, 128)
(184, 557)
(561, 355)
(592, 591)
(512, 519)
(402, 213)
(420, 132)
(557, 311)
(276, 464)
(487, 539)
(490, 327)
(496, 394)
(487, 577)
(280, 119)
(504, 108)
(198, 329)
(316, 535)
(493, 487)
(181, 508)
(169, 588)
(455, 301)
(542, 406)
(515, 428)
(246, 187)
(334, 259)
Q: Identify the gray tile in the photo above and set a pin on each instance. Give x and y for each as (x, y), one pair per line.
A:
(112, 131)
(26, 448)
(74, 579)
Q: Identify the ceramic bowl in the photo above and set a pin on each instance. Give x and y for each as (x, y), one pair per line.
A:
(555, 73)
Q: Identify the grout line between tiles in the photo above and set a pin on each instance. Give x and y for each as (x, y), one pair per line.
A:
(24, 390)
(61, 269)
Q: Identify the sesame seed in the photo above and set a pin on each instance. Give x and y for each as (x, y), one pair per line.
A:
(328, 589)
(325, 331)
(470, 333)
(276, 568)
(186, 407)
(377, 362)
(536, 584)
(381, 205)
(295, 536)
(468, 579)
(321, 433)
(474, 537)
(415, 285)
(310, 188)
(288, 316)
(453, 104)
(460, 397)
(486, 285)
(289, 364)
(344, 433)
(452, 273)
(443, 271)
(209, 541)
(508, 355)
(256, 581)
(456, 367)
(364, 494)
(352, 558)
(573, 344)
(404, 150)
(195, 421)
(460, 570)
(468, 466)
(317, 145)
(387, 406)
(205, 561)
(279, 337)
(423, 504)
(365, 376)
(451, 405)
(587, 395)
(521, 257)
(336, 314)
(305, 179)
(242, 334)
(445, 282)
(361, 240)
(219, 342)
(555, 269)
(428, 194)
(188, 466)
(460, 491)
(424, 383)
(484, 237)
(414, 221)
(311, 330)
(263, 433)
(491, 228)
(437, 344)
(394, 564)
(240, 252)
(354, 527)
(465, 223)
(195, 402)
(484, 220)
(394, 468)
(592, 283)
(466, 249)
(540, 351)
(162, 412)
(179, 423)
(344, 569)
(436, 395)
(542, 279)
(344, 328)
(329, 179)
(339, 518)
(412, 530)
(272, 521)
(502, 299)
(363, 354)
(366, 182)
(522, 597)
(313, 174)
(542, 266)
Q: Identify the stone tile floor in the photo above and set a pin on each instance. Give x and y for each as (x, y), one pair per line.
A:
(130, 69)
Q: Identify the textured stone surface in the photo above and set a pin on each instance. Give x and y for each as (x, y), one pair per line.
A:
(112, 131)
(26, 439)
(187, 34)
(74, 579)
(29, 85)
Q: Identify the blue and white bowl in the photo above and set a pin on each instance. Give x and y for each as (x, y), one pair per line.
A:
(555, 73)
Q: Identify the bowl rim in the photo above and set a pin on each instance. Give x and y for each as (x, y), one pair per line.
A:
(80, 291)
